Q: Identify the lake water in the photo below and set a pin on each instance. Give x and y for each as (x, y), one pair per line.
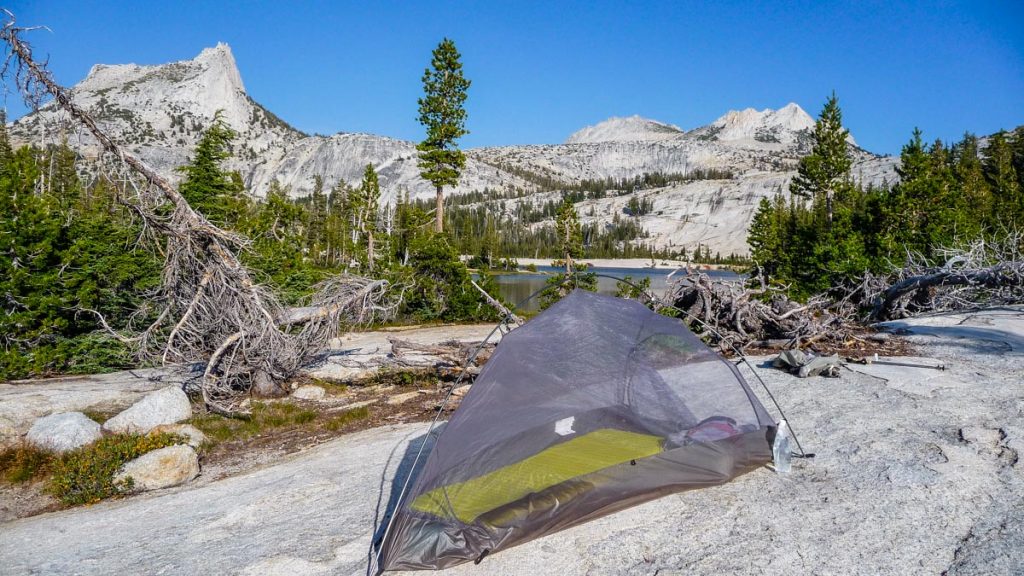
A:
(514, 288)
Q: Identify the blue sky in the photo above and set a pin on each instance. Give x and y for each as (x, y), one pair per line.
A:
(541, 70)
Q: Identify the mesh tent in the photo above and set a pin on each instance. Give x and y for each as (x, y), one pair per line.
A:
(595, 405)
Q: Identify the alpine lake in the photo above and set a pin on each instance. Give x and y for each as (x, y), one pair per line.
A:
(517, 287)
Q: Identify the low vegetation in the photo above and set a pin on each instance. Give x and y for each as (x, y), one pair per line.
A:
(24, 463)
(85, 475)
(336, 423)
(265, 417)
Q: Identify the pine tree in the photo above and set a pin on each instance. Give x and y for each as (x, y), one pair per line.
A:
(569, 239)
(208, 188)
(824, 173)
(974, 198)
(764, 238)
(368, 212)
(1008, 200)
(569, 234)
(442, 111)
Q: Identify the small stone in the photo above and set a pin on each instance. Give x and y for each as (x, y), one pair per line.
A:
(63, 432)
(309, 392)
(461, 390)
(400, 398)
(161, 468)
(165, 406)
(265, 387)
(195, 435)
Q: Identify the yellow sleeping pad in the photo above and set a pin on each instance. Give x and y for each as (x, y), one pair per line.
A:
(588, 453)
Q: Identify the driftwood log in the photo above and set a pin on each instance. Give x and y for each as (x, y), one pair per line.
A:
(208, 307)
(733, 315)
(449, 356)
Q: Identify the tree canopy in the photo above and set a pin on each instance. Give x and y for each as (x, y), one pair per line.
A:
(442, 111)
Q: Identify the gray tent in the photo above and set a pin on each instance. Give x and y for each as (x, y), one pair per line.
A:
(595, 405)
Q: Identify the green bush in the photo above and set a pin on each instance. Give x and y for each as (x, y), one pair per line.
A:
(86, 475)
(441, 288)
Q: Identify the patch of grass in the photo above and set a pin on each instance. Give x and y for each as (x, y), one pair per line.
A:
(24, 463)
(86, 475)
(338, 422)
(403, 378)
(332, 388)
(97, 416)
(265, 416)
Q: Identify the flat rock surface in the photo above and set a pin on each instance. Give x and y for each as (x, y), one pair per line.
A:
(22, 401)
(917, 472)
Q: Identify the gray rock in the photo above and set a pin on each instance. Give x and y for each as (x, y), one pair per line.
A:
(904, 482)
(195, 435)
(166, 406)
(63, 432)
(161, 468)
(309, 392)
(265, 387)
(22, 402)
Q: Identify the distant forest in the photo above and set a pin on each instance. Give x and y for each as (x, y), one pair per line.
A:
(830, 231)
(505, 223)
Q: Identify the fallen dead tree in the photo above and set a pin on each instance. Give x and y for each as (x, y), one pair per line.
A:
(208, 307)
(984, 273)
(448, 356)
(734, 314)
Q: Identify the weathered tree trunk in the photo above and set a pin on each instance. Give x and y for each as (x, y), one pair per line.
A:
(890, 305)
(439, 212)
(369, 251)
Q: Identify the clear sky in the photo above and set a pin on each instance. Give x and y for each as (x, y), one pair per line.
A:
(541, 70)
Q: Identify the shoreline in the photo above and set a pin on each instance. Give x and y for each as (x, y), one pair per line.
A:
(632, 263)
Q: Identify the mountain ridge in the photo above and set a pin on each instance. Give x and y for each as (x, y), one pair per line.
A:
(158, 112)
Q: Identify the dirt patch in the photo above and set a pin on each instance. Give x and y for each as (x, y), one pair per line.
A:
(414, 397)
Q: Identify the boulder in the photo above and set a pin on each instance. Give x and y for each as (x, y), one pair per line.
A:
(63, 432)
(195, 435)
(309, 392)
(461, 391)
(161, 468)
(165, 406)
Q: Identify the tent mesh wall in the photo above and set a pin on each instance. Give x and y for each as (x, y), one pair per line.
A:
(595, 405)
